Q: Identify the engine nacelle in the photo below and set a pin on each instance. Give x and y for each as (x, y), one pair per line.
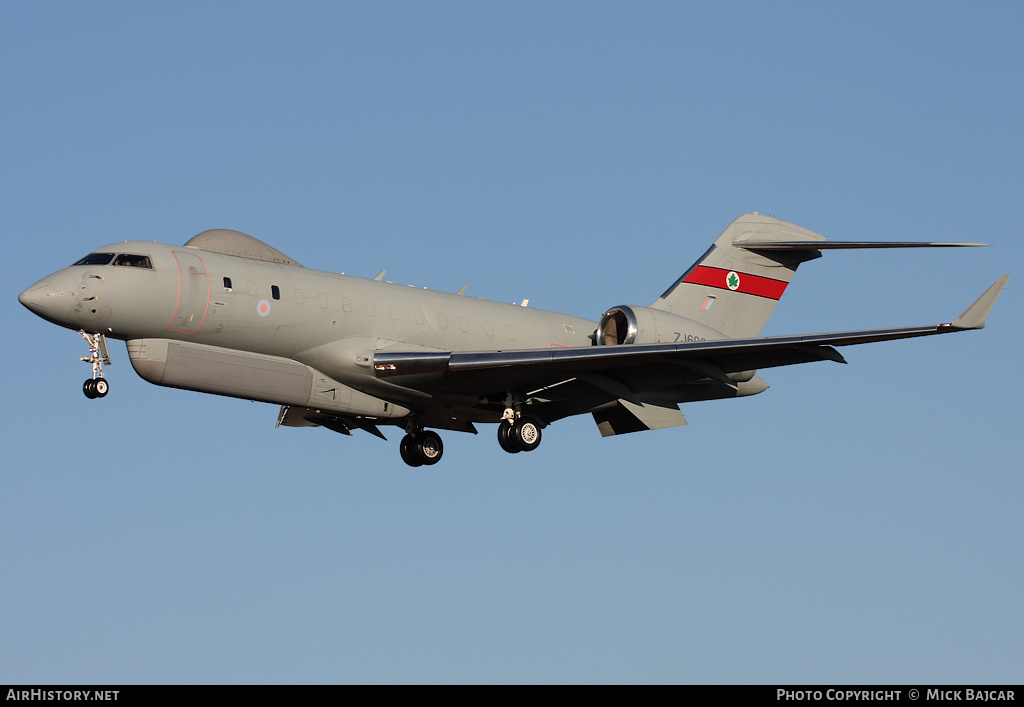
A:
(630, 324)
(646, 325)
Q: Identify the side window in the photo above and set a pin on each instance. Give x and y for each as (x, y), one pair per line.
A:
(133, 261)
(275, 292)
(227, 284)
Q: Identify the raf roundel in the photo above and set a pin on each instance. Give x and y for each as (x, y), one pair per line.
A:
(263, 308)
(732, 280)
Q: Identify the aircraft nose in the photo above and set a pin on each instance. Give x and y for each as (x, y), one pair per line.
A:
(37, 297)
(52, 298)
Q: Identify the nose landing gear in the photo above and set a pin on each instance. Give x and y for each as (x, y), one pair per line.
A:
(97, 386)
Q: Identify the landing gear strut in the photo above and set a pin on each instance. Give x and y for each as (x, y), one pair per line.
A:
(421, 447)
(97, 386)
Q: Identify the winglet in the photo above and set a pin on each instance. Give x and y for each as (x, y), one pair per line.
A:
(974, 316)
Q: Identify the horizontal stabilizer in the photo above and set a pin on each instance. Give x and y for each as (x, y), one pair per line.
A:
(845, 245)
(974, 316)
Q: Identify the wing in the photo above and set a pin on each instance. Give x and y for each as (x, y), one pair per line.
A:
(846, 245)
(632, 372)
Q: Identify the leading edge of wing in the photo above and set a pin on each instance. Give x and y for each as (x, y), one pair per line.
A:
(399, 364)
(847, 245)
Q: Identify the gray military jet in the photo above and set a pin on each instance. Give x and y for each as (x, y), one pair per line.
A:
(228, 314)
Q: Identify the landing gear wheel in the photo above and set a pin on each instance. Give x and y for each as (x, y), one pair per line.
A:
(421, 448)
(407, 448)
(95, 388)
(525, 433)
(504, 440)
(429, 448)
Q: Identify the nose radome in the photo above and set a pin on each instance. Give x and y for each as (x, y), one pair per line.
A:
(36, 297)
(52, 298)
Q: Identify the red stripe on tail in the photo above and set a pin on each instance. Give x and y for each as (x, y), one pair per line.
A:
(748, 284)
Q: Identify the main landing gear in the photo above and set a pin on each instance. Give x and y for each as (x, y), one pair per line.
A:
(519, 434)
(97, 386)
(516, 433)
(421, 447)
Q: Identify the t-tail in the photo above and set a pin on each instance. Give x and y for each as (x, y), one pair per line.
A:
(734, 287)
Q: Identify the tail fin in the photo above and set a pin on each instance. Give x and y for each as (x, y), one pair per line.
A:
(734, 289)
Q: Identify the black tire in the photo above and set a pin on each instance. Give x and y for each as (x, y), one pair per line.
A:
(407, 448)
(525, 433)
(89, 388)
(504, 439)
(429, 448)
(100, 387)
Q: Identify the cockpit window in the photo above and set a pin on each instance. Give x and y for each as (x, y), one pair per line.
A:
(134, 261)
(96, 259)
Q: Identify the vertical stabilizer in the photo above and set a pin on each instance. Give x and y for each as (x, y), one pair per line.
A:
(734, 289)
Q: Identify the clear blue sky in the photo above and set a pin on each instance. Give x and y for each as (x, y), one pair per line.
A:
(856, 523)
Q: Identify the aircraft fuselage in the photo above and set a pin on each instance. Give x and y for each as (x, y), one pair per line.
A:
(278, 332)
